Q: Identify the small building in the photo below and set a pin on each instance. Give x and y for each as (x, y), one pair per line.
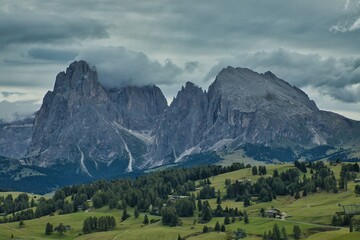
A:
(244, 180)
(175, 197)
(273, 213)
(357, 180)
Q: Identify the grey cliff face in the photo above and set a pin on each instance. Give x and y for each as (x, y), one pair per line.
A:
(242, 107)
(98, 132)
(15, 138)
(181, 125)
(83, 124)
(139, 107)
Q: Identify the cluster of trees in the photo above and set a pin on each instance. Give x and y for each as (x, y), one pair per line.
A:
(338, 220)
(289, 182)
(277, 234)
(207, 192)
(170, 216)
(147, 193)
(265, 189)
(61, 228)
(10, 205)
(301, 166)
(103, 223)
(348, 172)
(261, 171)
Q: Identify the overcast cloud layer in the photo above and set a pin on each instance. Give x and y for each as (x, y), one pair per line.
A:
(313, 44)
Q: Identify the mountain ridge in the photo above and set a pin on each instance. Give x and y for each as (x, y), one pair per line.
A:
(94, 131)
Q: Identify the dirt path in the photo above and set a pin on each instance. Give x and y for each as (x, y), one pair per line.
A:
(305, 223)
(3, 225)
(121, 234)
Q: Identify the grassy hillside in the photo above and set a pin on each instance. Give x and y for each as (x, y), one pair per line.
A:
(312, 213)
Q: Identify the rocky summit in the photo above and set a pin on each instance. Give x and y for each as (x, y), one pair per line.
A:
(243, 108)
(90, 130)
(84, 125)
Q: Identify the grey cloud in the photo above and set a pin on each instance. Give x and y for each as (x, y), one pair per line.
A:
(8, 94)
(21, 25)
(10, 111)
(119, 66)
(337, 77)
(191, 66)
(52, 54)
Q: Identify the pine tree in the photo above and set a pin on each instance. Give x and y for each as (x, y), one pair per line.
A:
(262, 212)
(222, 229)
(254, 170)
(206, 214)
(179, 237)
(284, 233)
(218, 199)
(205, 229)
(246, 218)
(296, 232)
(146, 220)
(136, 212)
(32, 203)
(21, 224)
(49, 229)
(199, 205)
(217, 227)
(61, 229)
(87, 226)
(265, 236)
(276, 232)
(227, 219)
(247, 202)
(125, 215)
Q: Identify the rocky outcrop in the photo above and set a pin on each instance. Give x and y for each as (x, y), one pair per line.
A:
(244, 107)
(86, 129)
(139, 107)
(181, 126)
(93, 129)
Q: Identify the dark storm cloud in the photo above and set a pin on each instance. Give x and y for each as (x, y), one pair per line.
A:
(337, 77)
(20, 25)
(40, 38)
(52, 54)
(118, 66)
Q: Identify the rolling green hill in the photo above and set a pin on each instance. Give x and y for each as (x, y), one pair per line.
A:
(313, 213)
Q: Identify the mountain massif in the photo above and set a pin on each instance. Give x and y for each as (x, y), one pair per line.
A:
(90, 130)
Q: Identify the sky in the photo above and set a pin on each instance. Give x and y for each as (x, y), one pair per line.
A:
(312, 44)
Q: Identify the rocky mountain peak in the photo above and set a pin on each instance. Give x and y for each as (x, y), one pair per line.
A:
(248, 90)
(79, 77)
(269, 75)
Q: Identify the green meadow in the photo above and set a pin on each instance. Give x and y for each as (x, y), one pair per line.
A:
(312, 213)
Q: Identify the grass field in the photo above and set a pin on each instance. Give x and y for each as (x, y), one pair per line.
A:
(312, 213)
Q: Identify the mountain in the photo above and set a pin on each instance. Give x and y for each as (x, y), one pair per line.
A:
(85, 130)
(252, 111)
(15, 137)
(88, 129)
